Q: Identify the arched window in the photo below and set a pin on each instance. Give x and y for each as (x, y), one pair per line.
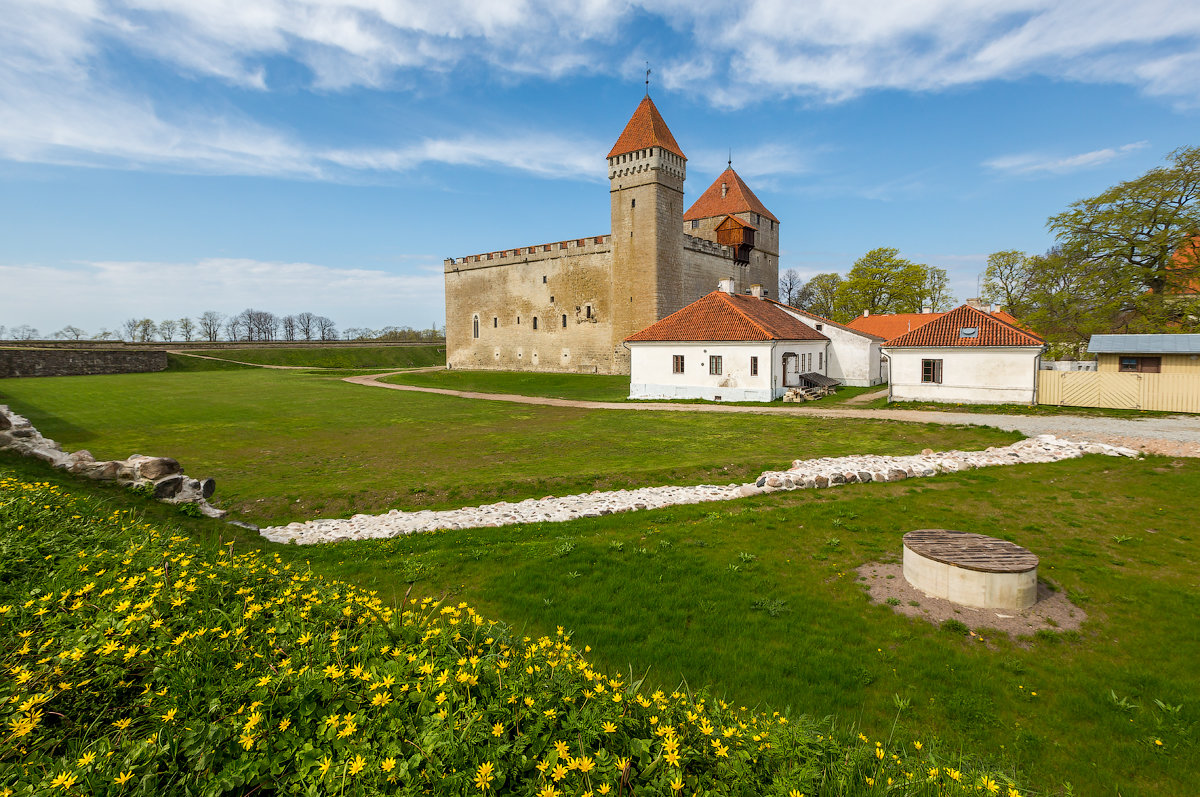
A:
(475, 327)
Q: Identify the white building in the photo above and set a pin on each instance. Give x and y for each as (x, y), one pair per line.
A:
(966, 356)
(725, 347)
(854, 357)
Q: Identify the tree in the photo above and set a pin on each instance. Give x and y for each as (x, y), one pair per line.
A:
(187, 328)
(883, 282)
(326, 329)
(210, 325)
(166, 328)
(306, 325)
(935, 292)
(3, 329)
(789, 286)
(70, 333)
(105, 334)
(825, 290)
(1130, 234)
(24, 332)
(146, 330)
(1008, 280)
(129, 329)
(289, 327)
(234, 328)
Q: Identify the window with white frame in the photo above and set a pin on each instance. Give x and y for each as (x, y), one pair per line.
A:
(677, 364)
(714, 365)
(931, 371)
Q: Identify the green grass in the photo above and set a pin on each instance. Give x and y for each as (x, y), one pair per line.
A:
(580, 387)
(287, 446)
(337, 356)
(755, 597)
(1013, 409)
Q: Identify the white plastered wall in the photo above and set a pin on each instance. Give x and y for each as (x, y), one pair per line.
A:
(854, 359)
(974, 375)
(652, 363)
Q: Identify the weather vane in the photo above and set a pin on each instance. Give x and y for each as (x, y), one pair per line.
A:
(647, 78)
(729, 162)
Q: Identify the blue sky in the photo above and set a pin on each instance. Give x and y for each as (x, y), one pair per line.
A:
(161, 158)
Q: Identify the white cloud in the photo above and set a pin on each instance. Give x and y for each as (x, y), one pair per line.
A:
(1038, 164)
(103, 294)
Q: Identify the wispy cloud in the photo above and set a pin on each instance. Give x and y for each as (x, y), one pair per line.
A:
(103, 294)
(1033, 164)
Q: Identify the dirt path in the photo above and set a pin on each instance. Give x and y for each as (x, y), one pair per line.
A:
(1177, 436)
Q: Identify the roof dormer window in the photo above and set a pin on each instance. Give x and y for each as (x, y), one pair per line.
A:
(968, 332)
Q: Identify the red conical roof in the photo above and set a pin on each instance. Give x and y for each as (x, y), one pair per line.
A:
(646, 128)
(738, 199)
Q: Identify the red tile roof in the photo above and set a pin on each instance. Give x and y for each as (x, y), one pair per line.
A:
(729, 317)
(646, 128)
(824, 320)
(893, 325)
(738, 199)
(946, 330)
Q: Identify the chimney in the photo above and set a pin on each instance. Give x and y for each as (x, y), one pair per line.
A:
(866, 313)
(757, 292)
(977, 304)
(726, 285)
(927, 309)
(724, 189)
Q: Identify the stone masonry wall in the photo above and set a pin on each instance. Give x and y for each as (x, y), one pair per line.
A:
(571, 282)
(78, 362)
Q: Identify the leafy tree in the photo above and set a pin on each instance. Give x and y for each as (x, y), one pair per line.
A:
(1009, 280)
(824, 292)
(129, 329)
(166, 328)
(935, 292)
(1136, 237)
(187, 328)
(883, 282)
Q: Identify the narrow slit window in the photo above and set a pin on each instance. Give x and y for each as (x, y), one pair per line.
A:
(753, 366)
(475, 327)
(535, 322)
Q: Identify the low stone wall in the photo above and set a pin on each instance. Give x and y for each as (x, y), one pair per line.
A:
(162, 476)
(78, 362)
(804, 474)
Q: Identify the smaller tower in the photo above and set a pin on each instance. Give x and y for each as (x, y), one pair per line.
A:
(729, 213)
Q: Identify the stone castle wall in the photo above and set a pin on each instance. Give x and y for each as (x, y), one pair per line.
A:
(507, 295)
(78, 362)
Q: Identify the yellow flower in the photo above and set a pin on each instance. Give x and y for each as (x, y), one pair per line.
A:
(954, 774)
(879, 753)
(562, 748)
(484, 776)
(584, 764)
(605, 788)
(325, 762)
(548, 791)
(677, 784)
(64, 781)
(918, 745)
(497, 730)
(122, 724)
(86, 759)
(123, 778)
(989, 784)
(559, 772)
(388, 764)
(672, 758)
(795, 793)
(284, 724)
(169, 716)
(609, 727)
(357, 764)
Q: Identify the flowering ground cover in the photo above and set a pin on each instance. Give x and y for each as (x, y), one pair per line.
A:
(138, 661)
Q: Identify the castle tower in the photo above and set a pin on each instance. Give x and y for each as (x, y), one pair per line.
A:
(646, 170)
(730, 196)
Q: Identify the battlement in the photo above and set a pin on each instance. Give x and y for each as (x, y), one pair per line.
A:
(525, 254)
(648, 159)
(705, 245)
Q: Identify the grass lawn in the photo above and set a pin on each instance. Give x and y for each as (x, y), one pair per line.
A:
(337, 356)
(289, 446)
(581, 387)
(756, 597)
(1014, 409)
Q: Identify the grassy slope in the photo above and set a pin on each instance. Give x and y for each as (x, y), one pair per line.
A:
(338, 357)
(286, 446)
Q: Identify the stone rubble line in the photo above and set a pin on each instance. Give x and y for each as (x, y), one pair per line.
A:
(164, 474)
(804, 474)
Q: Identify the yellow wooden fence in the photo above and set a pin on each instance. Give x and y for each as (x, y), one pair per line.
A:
(1166, 392)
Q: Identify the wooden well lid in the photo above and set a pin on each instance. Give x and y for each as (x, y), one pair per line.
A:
(970, 551)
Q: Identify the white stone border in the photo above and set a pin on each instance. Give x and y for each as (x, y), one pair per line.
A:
(804, 474)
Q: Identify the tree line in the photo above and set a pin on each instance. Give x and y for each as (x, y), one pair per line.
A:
(879, 282)
(250, 325)
(1125, 261)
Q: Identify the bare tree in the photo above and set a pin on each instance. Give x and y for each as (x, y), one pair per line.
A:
(306, 325)
(166, 329)
(129, 329)
(210, 325)
(187, 328)
(3, 329)
(326, 328)
(70, 333)
(289, 327)
(105, 334)
(147, 329)
(233, 327)
(789, 285)
(24, 332)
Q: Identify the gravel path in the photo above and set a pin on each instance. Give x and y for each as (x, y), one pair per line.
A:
(1177, 436)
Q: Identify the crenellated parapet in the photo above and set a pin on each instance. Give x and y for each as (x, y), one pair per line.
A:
(525, 254)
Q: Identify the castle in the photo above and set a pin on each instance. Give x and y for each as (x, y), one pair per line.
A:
(568, 306)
